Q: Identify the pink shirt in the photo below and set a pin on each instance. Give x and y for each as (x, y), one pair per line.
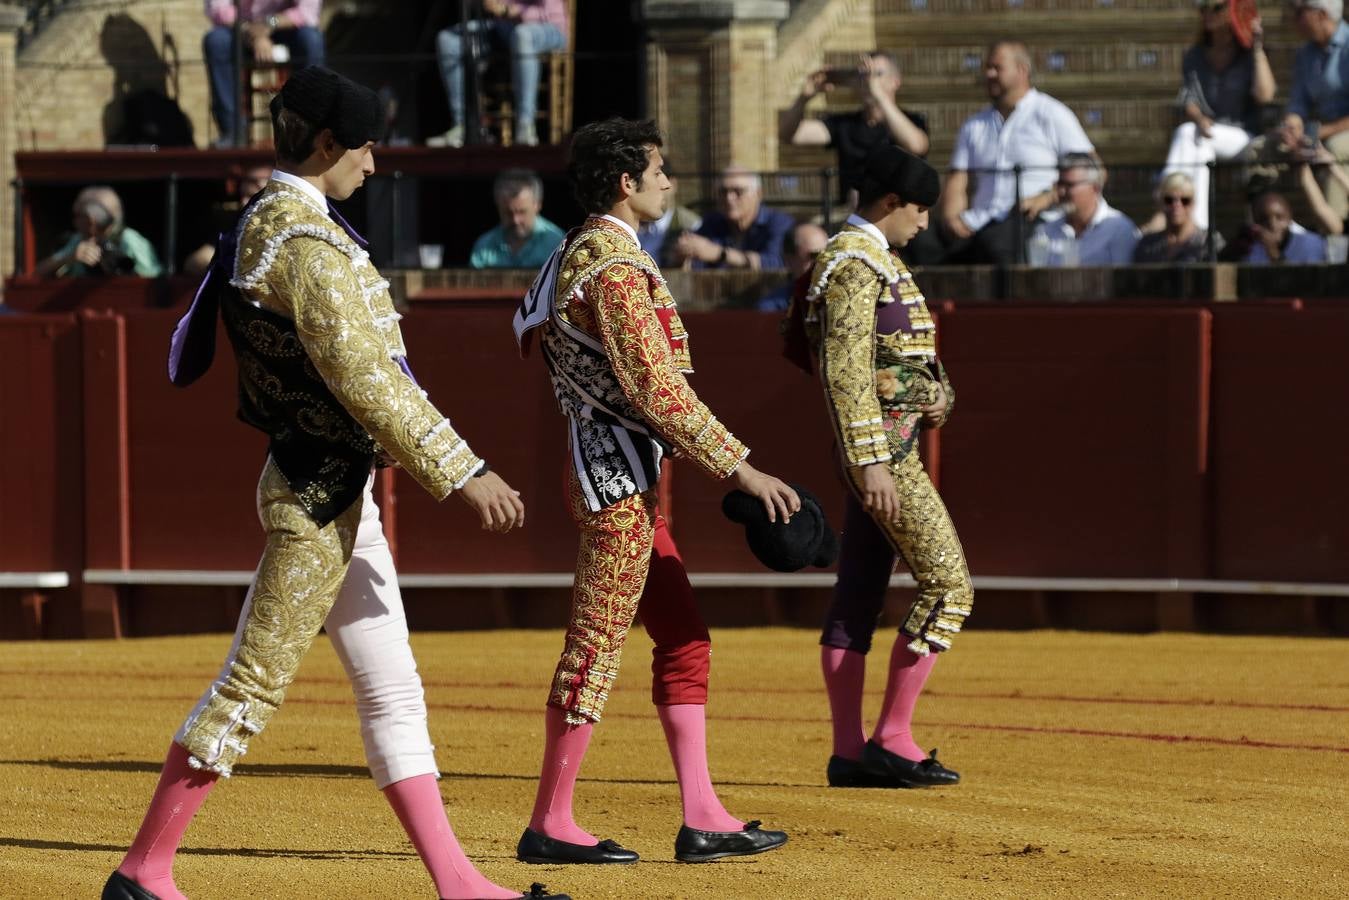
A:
(298, 13)
(554, 12)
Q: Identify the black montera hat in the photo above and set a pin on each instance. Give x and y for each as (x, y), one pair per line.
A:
(326, 99)
(897, 171)
(807, 540)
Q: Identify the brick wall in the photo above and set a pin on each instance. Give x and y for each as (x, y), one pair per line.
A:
(70, 80)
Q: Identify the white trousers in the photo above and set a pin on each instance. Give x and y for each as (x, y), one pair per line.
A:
(368, 629)
(1191, 153)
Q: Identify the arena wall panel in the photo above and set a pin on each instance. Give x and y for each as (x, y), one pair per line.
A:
(1279, 483)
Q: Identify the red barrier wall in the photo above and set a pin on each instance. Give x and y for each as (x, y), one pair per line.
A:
(1079, 446)
(41, 457)
(1279, 438)
(1078, 441)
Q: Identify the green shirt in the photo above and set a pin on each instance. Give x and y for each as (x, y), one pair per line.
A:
(132, 243)
(491, 251)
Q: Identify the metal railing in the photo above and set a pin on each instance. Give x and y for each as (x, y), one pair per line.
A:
(808, 194)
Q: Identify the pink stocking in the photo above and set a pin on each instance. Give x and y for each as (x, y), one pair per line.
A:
(564, 750)
(908, 674)
(844, 674)
(179, 794)
(417, 803)
(686, 735)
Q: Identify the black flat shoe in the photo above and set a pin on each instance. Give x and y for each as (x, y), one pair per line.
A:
(539, 848)
(906, 773)
(845, 773)
(694, 846)
(119, 887)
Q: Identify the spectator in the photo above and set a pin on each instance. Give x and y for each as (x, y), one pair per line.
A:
(1318, 105)
(1087, 231)
(1316, 199)
(528, 28)
(293, 24)
(524, 239)
(1273, 236)
(102, 244)
(1181, 240)
(246, 183)
(1223, 88)
(852, 135)
(742, 233)
(659, 238)
(799, 249)
(1021, 127)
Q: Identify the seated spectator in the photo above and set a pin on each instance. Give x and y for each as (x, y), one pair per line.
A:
(1021, 127)
(1087, 231)
(741, 234)
(659, 238)
(524, 239)
(1316, 199)
(1318, 104)
(528, 28)
(102, 243)
(1273, 236)
(852, 135)
(245, 184)
(1223, 87)
(1181, 240)
(293, 24)
(799, 249)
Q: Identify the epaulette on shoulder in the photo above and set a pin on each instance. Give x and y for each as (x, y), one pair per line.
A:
(278, 216)
(851, 244)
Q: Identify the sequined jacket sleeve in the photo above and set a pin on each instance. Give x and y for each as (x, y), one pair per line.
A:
(848, 362)
(343, 340)
(645, 367)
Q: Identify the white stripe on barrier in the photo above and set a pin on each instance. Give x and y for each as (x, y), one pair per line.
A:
(34, 580)
(203, 578)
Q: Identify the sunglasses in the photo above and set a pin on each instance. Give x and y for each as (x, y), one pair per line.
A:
(1172, 200)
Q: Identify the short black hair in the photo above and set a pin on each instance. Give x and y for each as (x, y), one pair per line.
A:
(293, 135)
(602, 153)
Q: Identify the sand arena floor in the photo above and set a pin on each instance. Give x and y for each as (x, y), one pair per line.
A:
(1094, 766)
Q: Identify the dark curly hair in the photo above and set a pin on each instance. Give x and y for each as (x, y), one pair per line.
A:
(602, 153)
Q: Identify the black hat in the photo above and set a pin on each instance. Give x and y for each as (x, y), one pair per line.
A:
(326, 99)
(807, 540)
(897, 171)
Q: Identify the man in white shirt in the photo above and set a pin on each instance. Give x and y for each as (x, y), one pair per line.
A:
(1086, 231)
(1021, 128)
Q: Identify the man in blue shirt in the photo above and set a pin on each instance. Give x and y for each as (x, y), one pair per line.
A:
(1318, 104)
(524, 239)
(1085, 230)
(742, 233)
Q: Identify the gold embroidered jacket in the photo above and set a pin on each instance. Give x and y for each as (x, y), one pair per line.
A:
(876, 345)
(609, 289)
(295, 261)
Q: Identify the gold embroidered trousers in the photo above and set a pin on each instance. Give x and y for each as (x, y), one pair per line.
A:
(628, 563)
(923, 537)
(340, 576)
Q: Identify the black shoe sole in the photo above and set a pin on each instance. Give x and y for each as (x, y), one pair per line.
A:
(549, 861)
(710, 857)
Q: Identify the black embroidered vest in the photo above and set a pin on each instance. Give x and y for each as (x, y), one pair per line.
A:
(324, 453)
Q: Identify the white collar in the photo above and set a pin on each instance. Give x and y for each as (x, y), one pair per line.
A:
(871, 230)
(1102, 211)
(310, 192)
(624, 225)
